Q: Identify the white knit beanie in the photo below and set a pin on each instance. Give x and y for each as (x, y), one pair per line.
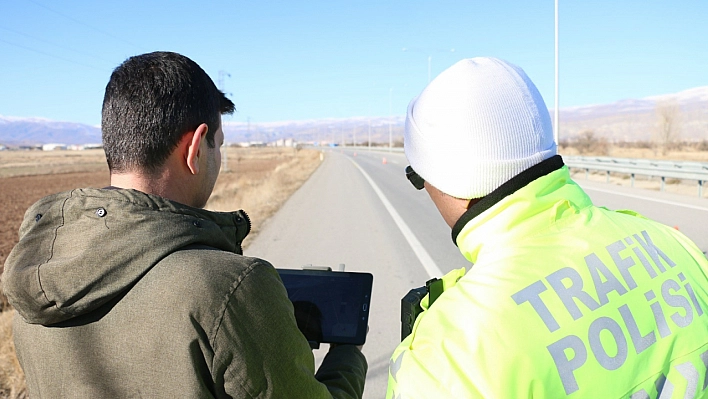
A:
(477, 125)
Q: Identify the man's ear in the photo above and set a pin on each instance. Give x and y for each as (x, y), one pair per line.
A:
(194, 147)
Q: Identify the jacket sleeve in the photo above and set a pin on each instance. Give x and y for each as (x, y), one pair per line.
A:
(259, 351)
(343, 371)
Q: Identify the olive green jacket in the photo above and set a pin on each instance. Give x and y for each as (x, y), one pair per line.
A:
(124, 294)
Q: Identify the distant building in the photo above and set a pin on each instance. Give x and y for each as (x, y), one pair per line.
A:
(53, 146)
(285, 143)
(81, 147)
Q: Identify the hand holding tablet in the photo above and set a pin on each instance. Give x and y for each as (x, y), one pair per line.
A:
(330, 307)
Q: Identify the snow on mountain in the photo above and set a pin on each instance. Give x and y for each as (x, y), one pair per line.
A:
(32, 131)
(328, 130)
(636, 119)
(629, 120)
(622, 106)
(686, 97)
(690, 98)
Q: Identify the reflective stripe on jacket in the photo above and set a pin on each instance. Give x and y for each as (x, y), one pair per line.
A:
(565, 299)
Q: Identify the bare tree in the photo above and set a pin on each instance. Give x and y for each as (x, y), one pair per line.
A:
(587, 143)
(668, 118)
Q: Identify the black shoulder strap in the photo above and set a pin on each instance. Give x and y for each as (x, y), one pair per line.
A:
(435, 289)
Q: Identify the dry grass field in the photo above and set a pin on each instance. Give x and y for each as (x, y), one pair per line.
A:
(257, 180)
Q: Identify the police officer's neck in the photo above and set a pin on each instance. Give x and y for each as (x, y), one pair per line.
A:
(451, 208)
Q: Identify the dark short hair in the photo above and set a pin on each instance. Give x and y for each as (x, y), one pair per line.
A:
(151, 101)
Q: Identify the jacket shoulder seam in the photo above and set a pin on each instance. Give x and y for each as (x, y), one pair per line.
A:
(51, 255)
(222, 309)
(220, 319)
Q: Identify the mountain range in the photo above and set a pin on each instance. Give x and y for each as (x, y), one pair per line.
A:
(32, 131)
(637, 119)
(625, 120)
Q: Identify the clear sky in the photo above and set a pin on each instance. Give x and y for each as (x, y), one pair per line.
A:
(292, 60)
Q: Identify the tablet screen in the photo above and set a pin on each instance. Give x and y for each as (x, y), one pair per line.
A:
(330, 307)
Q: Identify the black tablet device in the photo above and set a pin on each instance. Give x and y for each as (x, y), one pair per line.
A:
(330, 307)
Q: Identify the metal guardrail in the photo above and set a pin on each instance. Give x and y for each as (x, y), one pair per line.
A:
(697, 171)
(646, 167)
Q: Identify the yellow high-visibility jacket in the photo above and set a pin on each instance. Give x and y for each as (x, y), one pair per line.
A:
(565, 299)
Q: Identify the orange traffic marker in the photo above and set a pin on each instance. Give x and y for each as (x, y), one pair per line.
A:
(355, 154)
(384, 161)
(676, 227)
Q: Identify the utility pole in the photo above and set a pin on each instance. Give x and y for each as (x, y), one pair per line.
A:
(430, 59)
(390, 117)
(220, 82)
(429, 51)
(369, 133)
(225, 146)
(556, 118)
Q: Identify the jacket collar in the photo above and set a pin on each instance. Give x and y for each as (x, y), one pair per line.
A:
(511, 186)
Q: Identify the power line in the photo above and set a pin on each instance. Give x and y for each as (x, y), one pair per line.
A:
(51, 55)
(86, 25)
(56, 45)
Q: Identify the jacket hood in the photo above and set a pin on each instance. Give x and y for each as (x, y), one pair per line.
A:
(80, 249)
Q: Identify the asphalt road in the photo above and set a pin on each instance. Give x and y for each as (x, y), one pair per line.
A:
(358, 209)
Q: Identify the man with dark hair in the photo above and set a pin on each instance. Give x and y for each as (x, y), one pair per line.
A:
(135, 291)
(150, 102)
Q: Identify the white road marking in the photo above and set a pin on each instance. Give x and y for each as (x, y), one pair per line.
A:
(647, 198)
(423, 256)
